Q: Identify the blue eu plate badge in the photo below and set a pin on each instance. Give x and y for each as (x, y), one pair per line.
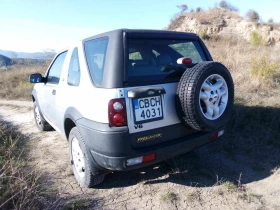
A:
(136, 104)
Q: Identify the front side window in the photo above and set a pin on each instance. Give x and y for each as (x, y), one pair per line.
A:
(95, 51)
(156, 59)
(74, 69)
(56, 68)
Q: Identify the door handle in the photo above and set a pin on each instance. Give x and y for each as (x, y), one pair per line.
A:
(145, 92)
(53, 91)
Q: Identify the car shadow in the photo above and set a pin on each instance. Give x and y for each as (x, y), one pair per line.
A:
(248, 152)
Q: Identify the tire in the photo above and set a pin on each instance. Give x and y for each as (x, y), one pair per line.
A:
(82, 171)
(40, 122)
(205, 96)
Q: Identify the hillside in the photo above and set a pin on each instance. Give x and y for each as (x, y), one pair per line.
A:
(4, 61)
(219, 21)
(33, 55)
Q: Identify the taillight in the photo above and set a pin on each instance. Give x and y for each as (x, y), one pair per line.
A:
(117, 112)
(185, 61)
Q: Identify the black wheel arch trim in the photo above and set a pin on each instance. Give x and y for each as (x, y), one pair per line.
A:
(73, 114)
(34, 95)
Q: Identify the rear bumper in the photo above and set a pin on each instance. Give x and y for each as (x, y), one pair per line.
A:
(111, 148)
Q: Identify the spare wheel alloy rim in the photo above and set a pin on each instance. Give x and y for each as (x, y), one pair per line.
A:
(213, 96)
(78, 157)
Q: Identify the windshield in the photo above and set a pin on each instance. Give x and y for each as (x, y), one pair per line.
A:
(156, 59)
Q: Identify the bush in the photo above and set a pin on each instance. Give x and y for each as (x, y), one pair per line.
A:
(255, 39)
(262, 68)
(253, 15)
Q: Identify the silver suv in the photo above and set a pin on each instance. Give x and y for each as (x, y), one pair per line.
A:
(130, 98)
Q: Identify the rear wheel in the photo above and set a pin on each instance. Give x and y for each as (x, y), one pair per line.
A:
(40, 122)
(205, 96)
(79, 158)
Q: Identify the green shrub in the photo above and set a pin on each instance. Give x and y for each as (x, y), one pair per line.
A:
(229, 185)
(262, 68)
(255, 38)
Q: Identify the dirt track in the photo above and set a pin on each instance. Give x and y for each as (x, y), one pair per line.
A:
(191, 181)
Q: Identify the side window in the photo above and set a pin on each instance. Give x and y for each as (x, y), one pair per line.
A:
(95, 51)
(74, 69)
(56, 68)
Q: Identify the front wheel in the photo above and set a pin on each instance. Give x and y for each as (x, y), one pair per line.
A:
(41, 123)
(79, 159)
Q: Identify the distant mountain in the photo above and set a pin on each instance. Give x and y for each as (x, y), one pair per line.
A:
(35, 55)
(5, 61)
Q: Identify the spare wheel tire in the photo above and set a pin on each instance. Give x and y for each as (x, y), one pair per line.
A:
(205, 96)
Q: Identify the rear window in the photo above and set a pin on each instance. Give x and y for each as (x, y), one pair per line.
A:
(156, 59)
(95, 51)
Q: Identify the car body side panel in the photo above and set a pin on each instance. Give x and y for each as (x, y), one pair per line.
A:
(90, 101)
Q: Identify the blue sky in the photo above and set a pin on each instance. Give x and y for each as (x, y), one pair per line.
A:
(35, 25)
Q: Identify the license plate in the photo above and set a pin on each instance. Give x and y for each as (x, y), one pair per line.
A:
(147, 109)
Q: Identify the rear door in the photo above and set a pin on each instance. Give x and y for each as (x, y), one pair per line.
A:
(152, 79)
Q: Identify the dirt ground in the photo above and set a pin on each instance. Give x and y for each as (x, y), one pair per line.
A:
(231, 173)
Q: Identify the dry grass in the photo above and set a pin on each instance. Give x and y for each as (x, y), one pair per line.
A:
(14, 82)
(19, 188)
(237, 55)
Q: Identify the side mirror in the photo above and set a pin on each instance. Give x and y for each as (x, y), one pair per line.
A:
(36, 78)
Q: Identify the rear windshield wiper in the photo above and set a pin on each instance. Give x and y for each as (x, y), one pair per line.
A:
(169, 68)
(177, 70)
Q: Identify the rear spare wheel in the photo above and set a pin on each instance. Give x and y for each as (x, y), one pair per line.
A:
(205, 96)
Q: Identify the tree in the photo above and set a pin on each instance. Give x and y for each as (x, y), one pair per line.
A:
(223, 4)
(198, 9)
(183, 8)
(228, 6)
(271, 20)
(253, 15)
